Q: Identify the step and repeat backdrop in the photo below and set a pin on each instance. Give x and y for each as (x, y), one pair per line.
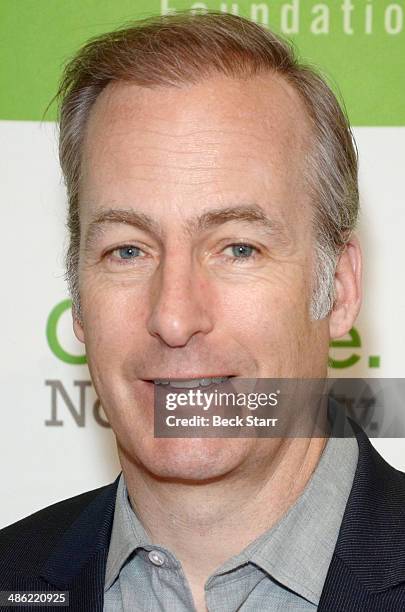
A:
(55, 441)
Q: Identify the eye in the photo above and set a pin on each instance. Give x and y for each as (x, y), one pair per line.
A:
(240, 251)
(127, 252)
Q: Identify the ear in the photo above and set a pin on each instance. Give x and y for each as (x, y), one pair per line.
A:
(348, 291)
(77, 325)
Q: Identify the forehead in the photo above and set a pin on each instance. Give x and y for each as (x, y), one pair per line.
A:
(218, 140)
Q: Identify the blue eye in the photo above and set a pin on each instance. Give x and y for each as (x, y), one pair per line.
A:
(242, 251)
(128, 252)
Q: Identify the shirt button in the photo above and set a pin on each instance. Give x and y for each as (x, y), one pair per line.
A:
(156, 557)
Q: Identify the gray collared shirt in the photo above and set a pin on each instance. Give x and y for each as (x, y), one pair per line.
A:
(284, 569)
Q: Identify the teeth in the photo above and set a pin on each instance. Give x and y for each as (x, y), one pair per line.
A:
(191, 383)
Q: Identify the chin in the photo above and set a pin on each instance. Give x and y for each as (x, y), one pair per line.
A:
(190, 459)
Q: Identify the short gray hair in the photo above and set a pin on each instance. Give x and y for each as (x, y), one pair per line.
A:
(185, 48)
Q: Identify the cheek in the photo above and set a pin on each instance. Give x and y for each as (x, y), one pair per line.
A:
(277, 306)
(271, 322)
(114, 319)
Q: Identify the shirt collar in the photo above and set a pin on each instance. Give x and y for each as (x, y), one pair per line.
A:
(296, 551)
(127, 534)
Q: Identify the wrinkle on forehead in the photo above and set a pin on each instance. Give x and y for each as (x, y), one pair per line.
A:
(173, 113)
(215, 132)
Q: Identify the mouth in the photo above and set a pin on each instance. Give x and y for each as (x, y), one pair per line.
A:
(190, 383)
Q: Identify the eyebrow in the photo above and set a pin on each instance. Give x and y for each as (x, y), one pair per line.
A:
(213, 218)
(245, 213)
(131, 217)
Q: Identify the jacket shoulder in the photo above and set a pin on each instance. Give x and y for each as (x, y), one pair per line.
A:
(25, 544)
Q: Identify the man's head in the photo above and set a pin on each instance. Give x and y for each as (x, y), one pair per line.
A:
(213, 190)
(185, 49)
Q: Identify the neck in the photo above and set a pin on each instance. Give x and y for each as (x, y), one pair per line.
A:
(206, 523)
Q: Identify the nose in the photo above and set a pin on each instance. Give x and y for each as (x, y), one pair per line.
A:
(180, 299)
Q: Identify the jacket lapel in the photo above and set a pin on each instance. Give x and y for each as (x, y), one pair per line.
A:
(367, 571)
(78, 562)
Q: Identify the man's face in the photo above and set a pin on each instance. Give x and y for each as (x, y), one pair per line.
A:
(197, 252)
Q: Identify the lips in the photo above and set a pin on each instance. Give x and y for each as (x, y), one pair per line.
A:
(190, 383)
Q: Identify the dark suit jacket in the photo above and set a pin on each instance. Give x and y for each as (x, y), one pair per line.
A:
(65, 546)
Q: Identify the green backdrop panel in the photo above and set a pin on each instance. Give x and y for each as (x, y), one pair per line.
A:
(358, 44)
